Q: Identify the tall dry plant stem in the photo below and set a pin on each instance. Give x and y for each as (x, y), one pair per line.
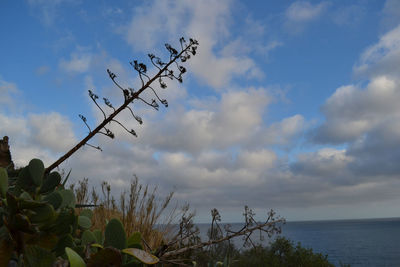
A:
(140, 209)
(130, 95)
(243, 232)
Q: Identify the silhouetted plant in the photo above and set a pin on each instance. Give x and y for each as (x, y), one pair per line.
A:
(271, 226)
(171, 69)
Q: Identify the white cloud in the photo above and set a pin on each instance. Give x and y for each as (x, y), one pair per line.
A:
(365, 122)
(284, 131)
(327, 163)
(194, 150)
(78, 63)
(12, 126)
(299, 13)
(351, 112)
(41, 136)
(382, 58)
(151, 22)
(376, 154)
(349, 15)
(222, 124)
(303, 11)
(32, 135)
(207, 21)
(257, 160)
(391, 13)
(89, 84)
(367, 119)
(52, 131)
(7, 91)
(48, 9)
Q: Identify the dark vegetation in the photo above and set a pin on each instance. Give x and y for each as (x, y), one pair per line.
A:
(46, 222)
(280, 252)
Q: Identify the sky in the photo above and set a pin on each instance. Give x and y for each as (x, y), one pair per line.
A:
(289, 105)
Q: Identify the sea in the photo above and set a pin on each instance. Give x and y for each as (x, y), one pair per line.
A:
(359, 243)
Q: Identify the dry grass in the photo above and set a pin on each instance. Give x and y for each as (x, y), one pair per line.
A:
(139, 209)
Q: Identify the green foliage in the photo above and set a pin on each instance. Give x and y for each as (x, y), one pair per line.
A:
(43, 214)
(74, 259)
(40, 227)
(38, 256)
(68, 198)
(99, 236)
(88, 238)
(282, 252)
(54, 198)
(84, 222)
(31, 218)
(36, 171)
(50, 182)
(115, 235)
(65, 241)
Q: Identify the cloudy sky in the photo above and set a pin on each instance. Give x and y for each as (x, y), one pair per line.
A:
(290, 105)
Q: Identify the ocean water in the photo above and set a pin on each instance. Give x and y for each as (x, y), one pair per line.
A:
(366, 242)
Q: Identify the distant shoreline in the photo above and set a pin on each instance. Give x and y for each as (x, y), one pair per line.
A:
(322, 220)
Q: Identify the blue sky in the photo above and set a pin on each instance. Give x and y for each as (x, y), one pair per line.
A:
(291, 105)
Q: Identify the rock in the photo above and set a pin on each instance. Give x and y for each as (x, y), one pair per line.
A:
(5, 154)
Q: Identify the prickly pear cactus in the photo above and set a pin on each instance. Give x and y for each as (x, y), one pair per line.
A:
(39, 226)
(37, 216)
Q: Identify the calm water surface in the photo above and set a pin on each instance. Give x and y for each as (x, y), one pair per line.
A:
(367, 242)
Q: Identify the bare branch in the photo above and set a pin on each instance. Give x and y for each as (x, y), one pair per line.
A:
(112, 77)
(228, 237)
(94, 97)
(163, 101)
(96, 147)
(153, 103)
(130, 95)
(137, 118)
(152, 57)
(83, 118)
(132, 132)
(108, 103)
(108, 133)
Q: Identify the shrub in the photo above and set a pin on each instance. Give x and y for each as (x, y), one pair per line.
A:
(281, 252)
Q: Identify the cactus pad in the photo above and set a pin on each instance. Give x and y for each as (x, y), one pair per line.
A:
(141, 255)
(84, 222)
(55, 199)
(88, 238)
(74, 259)
(50, 182)
(115, 235)
(36, 171)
